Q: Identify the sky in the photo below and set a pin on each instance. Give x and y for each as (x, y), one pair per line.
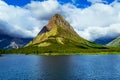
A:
(91, 19)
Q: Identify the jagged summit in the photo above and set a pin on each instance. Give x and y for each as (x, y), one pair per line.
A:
(56, 21)
(59, 33)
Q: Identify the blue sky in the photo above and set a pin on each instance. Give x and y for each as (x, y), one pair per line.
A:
(91, 19)
(78, 3)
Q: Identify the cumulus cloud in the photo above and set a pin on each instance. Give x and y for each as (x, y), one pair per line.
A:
(93, 22)
(96, 21)
(43, 10)
(18, 21)
(98, 32)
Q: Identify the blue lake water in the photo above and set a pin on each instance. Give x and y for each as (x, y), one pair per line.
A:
(79, 67)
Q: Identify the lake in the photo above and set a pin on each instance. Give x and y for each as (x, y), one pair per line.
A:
(79, 67)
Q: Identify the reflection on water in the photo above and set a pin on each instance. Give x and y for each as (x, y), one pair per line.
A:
(55, 67)
(82, 67)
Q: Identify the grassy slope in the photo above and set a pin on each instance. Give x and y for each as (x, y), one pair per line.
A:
(73, 44)
(58, 49)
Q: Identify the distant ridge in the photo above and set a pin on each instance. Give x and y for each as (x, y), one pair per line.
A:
(12, 42)
(114, 43)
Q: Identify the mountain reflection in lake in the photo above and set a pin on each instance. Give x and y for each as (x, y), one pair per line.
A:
(79, 67)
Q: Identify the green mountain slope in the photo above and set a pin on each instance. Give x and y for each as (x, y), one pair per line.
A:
(114, 43)
(58, 36)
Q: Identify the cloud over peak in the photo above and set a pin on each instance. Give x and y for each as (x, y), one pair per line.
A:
(93, 22)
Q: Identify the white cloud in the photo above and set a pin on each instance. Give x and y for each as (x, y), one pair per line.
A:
(97, 32)
(96, 21)
(19, 20)
(43, 10)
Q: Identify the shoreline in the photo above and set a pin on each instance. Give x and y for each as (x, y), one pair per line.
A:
(68, 54)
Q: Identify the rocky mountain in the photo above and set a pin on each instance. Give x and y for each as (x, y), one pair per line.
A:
(11, 42)
(59, 35)
(115, 42)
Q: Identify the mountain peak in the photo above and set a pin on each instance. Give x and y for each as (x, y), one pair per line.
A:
(57, 16)
(58, 27)
(56, 21)
(58, 34)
